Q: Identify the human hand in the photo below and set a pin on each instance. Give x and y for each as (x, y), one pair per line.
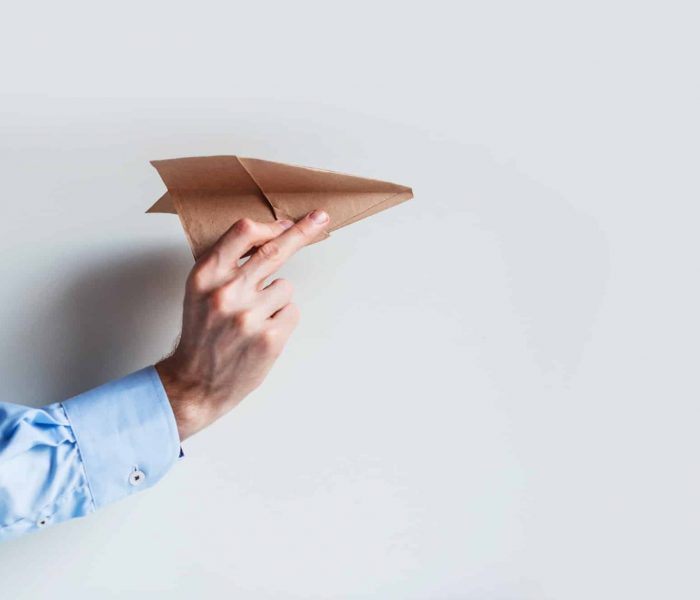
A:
(233, 326)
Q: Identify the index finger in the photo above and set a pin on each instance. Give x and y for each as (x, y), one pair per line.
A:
(273, 254)
(219, 263)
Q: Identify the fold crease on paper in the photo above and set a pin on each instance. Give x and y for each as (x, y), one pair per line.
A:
(210, 193)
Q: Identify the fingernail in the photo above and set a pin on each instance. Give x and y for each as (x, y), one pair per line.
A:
(319, 216)
(286, 224)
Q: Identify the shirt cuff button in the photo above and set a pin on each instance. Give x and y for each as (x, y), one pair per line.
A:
(136, 477)
(43, 522)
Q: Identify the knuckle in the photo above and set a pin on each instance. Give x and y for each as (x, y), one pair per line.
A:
(244, 227)
(218, 301)
(271, 251)
(268, 341)
(306, 230)
(285, 286)
(243, 322)
(196, 280)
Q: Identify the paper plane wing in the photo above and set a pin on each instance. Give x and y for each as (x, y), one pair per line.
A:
(210, 193)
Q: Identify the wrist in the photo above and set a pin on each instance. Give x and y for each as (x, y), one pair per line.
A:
(185, 397)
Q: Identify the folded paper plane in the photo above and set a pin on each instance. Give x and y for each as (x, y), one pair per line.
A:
(210, 193)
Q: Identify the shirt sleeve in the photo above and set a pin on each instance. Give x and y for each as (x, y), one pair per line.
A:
(70, 458)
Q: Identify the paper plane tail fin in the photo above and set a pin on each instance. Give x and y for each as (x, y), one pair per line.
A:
(164, 204)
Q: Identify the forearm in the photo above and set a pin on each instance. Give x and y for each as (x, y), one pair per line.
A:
(124, 436)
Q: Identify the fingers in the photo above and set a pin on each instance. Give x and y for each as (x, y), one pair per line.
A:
(217, 266)
(277, 241)
(274, 297)
(244, 234)
(286, 319)
(273, 254)
(274, 335)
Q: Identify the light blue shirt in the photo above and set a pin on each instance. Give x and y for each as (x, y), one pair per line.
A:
(71, 458)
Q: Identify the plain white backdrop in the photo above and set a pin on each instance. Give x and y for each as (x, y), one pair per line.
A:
(493, 391)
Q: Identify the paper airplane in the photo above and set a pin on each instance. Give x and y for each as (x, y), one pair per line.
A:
(210, 193)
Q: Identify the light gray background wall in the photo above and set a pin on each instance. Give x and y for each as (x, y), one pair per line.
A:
(493, 391)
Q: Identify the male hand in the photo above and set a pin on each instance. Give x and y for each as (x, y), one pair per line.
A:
(233, 326)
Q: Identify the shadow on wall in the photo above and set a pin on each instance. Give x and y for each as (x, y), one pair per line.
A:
(116, 315)
(121, 312)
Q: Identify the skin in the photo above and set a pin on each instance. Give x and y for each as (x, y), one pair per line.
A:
(234, 326)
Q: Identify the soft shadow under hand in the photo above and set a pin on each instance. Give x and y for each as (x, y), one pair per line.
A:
(117, 314)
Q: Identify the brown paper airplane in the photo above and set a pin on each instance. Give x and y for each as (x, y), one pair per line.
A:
(210, 193)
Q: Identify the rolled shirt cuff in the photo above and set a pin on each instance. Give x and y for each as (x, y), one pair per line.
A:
(126, 435)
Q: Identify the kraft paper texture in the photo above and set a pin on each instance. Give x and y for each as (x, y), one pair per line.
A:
(210, 193)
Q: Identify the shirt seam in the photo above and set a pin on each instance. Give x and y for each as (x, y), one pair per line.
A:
(82, 460)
